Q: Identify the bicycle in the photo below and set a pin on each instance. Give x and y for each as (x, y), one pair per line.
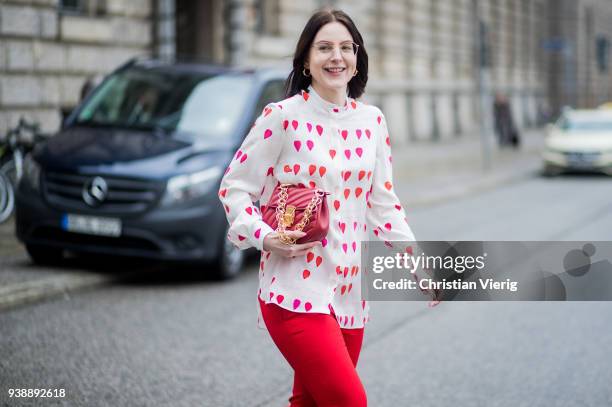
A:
(13, 150)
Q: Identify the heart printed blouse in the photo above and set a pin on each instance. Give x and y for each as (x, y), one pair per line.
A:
(344, 150)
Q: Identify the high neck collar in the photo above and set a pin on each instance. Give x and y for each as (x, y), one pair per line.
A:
(312, 97)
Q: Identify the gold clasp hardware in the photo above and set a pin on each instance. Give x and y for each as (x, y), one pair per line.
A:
(288, 216)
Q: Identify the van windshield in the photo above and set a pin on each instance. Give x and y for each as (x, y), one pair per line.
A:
(205, 105)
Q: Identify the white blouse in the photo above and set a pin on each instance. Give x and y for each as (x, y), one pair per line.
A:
(344, 150)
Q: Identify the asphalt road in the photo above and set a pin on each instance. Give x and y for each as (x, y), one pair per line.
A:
(168, 338)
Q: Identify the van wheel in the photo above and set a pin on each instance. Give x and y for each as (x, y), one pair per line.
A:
(46, 256)
(230, 260)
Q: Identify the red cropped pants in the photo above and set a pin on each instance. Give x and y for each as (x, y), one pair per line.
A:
(322, 355)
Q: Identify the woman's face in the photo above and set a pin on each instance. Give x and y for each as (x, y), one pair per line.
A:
(332, 59)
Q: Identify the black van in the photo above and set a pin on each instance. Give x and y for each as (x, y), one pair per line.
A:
(136, 167)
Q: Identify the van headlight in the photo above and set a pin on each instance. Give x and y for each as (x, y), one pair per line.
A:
(182, 188)
(31, 172)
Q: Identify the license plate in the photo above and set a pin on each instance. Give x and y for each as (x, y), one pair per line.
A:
(92, 225)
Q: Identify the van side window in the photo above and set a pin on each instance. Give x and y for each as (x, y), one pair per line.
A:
(274, 91)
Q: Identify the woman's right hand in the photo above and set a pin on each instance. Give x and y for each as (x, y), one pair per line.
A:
(272, 243)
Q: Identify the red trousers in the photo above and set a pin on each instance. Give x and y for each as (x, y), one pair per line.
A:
(322, 355)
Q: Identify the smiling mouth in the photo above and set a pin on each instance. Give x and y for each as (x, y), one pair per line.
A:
(334, 70)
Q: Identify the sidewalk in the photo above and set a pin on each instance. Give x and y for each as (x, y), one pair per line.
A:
(424, 174)
(429, 173)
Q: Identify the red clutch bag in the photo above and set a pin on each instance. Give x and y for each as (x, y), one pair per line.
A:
(294, 207)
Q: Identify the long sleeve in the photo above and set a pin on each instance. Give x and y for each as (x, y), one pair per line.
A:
(245, 177)
(385, 214)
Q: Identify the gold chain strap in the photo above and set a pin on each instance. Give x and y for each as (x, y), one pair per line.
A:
(286, 215)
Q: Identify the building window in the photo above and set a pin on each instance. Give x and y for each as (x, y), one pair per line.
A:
(602, 46)
(83, 7)
(268, 17)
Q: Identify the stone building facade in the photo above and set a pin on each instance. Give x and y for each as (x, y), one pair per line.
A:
(48, 48)
(424, 68)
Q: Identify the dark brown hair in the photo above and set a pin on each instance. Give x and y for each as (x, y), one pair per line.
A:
(296, 82)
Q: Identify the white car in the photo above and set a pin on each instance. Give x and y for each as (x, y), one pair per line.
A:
(581, 140)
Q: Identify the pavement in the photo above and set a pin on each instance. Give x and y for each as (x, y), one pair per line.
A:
(425, 173)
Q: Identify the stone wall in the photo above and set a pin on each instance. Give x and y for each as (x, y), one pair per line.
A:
(46, 54)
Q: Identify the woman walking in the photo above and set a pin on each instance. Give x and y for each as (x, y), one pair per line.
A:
(319, 137)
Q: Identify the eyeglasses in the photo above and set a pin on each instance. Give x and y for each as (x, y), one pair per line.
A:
(346, 48)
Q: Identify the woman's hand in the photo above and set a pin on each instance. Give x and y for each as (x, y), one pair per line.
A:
(272, 243)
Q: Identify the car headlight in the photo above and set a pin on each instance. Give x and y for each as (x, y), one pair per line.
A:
(31, 172)
(185, 187)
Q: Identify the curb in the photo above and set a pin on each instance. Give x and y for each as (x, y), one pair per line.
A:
(29, 292)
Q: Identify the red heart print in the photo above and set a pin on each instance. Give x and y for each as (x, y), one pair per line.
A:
(280, 298)
(294, 124)
(378, 119)
(319, 129)
(238, 154)
(249, 210)
(287, 168)
(271, 294)
(346, 269)
(398, 207)
(376, 232)
(358, 191)
(361, 174)
(347, 175)
(322, 170)
(369, 174)
(311, 184)
(307, 306)
(343, 290)
(319, 260)
(388, 185)
(355, 225)
(337, 204)
(347, 153)
(388, 141)
(358, 132)
(388, 226)
(354, 246)
(305, 95)
(368, 134)
(285, 124)
(243, 159)
(312, 169)
(310, 144)
(296, 303)
(342, 226)
(273, 279)
(297, 144)
(241, 238)
(344, 247)
(347, 192)
(324, 242)
(305, 274)
(270, 171)
(257, 233)
(353, 104)
(223, 192)
(296, 168)
(332, 153)
(267, 133)
(344, 134)
(359, 151)
(350, 286)
(309, 126)
(338, 270)
(267, 111)
(309, 256)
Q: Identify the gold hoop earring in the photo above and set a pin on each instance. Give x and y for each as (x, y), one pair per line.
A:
(304, 72)
(355, 74)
